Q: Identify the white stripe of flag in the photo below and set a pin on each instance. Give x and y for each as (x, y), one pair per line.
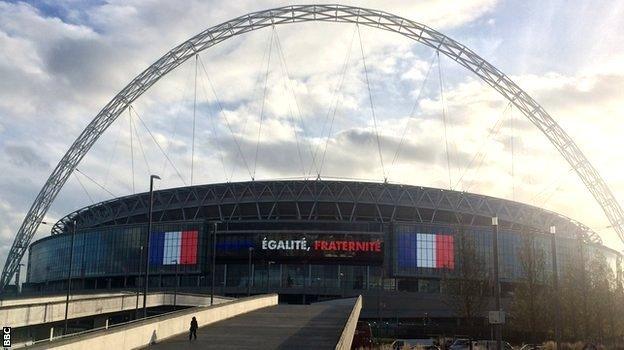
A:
(171, 253)
(425, 250)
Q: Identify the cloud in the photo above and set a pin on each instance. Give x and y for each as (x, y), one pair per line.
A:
(63, 61)
(24, 156)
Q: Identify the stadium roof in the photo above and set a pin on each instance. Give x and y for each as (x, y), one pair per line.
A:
(329, 200)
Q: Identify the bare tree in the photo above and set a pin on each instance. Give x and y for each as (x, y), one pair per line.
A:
(601, 282)
(617, 322)
(529, 308)
(592, 296)
(466, 288)
(573, 290)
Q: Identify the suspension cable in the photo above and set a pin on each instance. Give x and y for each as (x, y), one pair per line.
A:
(96, 183)
(227, 122)
(213, 124)
(412, 112)
(194, 109)
(110, 159)
(558, 180)
(448, 158)
(170, 140)
(131, 150)
(494, 130)
(149, 170)
(257, 88)
(513, 179)
(331, 111)
(158, 144)
(84, 189)
(266, 78)
(547, 198)
(286, 78)
(372, 107)
(483, 155)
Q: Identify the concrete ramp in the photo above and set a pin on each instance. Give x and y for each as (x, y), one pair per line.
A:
(316, 326)
(250, 323)
(140, 333)
(36, 311)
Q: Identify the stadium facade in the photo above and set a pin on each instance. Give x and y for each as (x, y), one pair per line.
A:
(307, 240)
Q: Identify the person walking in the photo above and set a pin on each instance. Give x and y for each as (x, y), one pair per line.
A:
(193, 329)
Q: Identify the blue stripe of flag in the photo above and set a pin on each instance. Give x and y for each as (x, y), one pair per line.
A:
(406, 250)
(156, 247)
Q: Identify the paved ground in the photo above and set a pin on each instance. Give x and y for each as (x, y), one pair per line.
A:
(315, 326)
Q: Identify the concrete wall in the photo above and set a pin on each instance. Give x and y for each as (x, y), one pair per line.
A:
(346, 338)
(56, 298)
(38, 313)
(144, 332)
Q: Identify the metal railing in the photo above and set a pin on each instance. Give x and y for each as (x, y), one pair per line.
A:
(107, 326)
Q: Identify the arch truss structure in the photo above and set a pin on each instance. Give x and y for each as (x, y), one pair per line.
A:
(296, 14)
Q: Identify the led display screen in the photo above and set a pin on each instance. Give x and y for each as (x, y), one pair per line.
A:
(425, 250)
(171, 248)
(317, 246)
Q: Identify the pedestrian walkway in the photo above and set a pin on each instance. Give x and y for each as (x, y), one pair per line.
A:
(36, 311)
(316, 326)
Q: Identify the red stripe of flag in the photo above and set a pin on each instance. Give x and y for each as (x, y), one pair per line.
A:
(445, 253)
(188, 251)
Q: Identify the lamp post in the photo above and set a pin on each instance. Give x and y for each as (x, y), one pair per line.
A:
(47, 279)
(497, 301)
(17, 277)
(214, 259)
(249, 279)
(175, 286)
(380, 290)
(553, 243)
(138, 286)
(147, 238)
(47, 268)
(269, 263)
(71, 258)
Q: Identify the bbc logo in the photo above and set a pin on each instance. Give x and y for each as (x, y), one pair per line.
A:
(6, 337)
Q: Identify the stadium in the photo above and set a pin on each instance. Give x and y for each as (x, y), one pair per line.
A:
(307, 240)
(316, 238)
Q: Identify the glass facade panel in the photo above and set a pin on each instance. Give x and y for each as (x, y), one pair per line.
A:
(417, 250)
(324, 276)
(237, 275)
(429, 285)
(294, 276)
(353, 277)
(374, 276)
(418, 256)
(275, 276)
(508, 245)
(115, 251)
(260, 276)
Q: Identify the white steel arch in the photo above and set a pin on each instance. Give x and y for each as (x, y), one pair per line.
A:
(306, 13)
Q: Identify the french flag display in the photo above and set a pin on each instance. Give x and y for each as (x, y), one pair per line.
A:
(170, 248)
(426, 250)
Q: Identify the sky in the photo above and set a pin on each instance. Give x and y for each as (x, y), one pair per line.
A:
(295, 100)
